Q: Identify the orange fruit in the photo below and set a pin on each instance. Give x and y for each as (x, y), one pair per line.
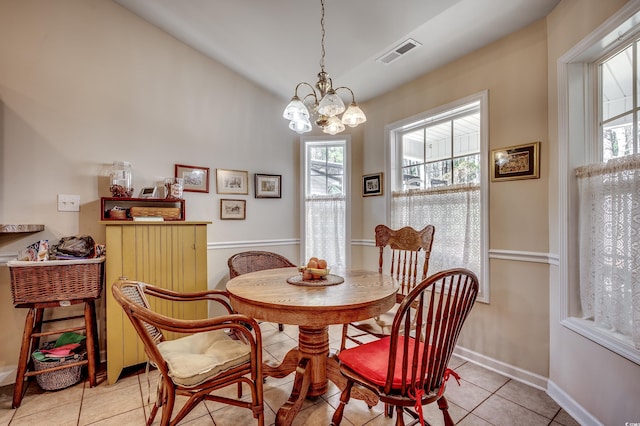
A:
(322, 264)
(312, 264)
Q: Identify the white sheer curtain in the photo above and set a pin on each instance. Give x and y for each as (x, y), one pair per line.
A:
(610, 244)
(325, 228)
(455, 213)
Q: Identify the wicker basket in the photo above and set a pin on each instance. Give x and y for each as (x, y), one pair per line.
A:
(168, 213)
(59, 379)
(55, 280)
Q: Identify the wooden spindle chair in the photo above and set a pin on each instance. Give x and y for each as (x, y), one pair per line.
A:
(408, 368)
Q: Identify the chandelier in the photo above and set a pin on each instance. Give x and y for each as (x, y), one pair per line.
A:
(323, 101)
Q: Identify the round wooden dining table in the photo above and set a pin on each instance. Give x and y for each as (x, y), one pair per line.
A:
(280, 296)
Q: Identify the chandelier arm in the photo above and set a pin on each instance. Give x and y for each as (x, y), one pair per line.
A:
(313, 91)
(353, 98)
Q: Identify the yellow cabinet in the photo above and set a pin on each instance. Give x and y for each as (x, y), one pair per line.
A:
(172, 255)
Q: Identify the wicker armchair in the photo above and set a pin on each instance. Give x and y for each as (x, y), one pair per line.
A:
(251, 261)
(215, 353)
(408, 368)
(410, 253)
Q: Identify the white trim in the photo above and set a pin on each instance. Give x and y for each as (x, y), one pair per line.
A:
(524, 256)
(516, 373)
(222, 245)
(366, 243)
(8, 375)
(569, 405)
(4, 258)
(602, 337)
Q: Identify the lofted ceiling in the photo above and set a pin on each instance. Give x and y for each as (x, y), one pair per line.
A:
(276, 43)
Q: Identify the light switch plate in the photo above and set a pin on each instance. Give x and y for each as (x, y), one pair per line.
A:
(68, 203)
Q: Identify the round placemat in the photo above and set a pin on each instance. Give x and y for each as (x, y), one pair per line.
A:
(328, 280)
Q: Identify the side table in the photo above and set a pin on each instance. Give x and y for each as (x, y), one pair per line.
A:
(52, 284)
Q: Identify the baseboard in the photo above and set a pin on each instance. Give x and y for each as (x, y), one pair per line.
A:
(569, 405)
(515, 373)
(8, 375)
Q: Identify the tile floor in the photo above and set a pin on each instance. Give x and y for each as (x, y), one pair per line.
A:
(484, 398)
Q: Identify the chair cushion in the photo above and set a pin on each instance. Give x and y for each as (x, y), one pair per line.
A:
(196, 358)
(371, 360)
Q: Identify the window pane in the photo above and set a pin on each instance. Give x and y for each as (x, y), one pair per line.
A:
(413, 146)
(617, 138)
(412, 176)
(617, 84)
(466, 169)
(438, 141)
(325, 170)
(438, 173)
(466, 135)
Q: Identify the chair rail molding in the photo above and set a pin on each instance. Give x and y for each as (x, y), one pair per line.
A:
(222, 245)
(525, 256)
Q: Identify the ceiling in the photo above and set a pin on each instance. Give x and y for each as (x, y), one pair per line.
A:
(276, 43)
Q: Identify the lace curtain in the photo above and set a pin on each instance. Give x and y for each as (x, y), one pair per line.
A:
(455, 213)
(325, 228)
(610, 244)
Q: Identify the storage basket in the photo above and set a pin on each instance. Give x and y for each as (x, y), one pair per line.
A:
(59, 379)
(55, 280)
(168, 213)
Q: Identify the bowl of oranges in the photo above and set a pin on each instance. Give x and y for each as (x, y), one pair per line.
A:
(316, 269)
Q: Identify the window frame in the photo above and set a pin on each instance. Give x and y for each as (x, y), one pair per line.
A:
(580, 142)
(394, 168)
(305, 141)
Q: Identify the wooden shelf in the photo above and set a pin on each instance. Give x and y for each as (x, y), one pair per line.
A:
(20, 229)
(169, 209)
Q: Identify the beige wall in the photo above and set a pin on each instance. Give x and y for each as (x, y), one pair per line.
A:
(514, 71)
(84, 83)
(603, 384)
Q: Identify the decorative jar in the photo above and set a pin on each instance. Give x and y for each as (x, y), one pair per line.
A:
(121, 179)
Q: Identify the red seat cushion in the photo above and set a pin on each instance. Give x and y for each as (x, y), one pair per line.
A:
(371, 360)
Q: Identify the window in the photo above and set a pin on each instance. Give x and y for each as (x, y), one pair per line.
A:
(325, 231)
(437, 178)
(600, 185)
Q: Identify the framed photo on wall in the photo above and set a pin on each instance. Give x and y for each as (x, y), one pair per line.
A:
(372, 184)
(268, 186)
(232, 181)
(194, 179)
(233, 209)
(516, 162)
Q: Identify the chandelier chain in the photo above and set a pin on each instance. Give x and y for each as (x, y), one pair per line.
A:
(322, 52)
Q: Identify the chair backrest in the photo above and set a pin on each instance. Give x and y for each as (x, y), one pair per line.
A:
(131, 296)
(251, 261)
(430, 317)
(406, 244)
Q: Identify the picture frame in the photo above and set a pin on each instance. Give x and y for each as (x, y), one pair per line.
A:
(372, 184)
(233, 209)
(194, 178)
(148, 192)
(268, 186)
(232, 181)
(516, 162)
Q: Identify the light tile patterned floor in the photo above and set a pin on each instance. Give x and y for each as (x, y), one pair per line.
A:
(484, 398)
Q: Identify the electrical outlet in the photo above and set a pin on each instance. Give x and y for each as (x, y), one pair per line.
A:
(68, 203)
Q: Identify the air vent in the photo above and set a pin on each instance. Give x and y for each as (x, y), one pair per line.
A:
(398, 51)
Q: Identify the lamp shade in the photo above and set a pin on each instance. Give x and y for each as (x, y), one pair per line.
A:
(295, 110)
(300, 126)
(331, 104)
(333, 126)
(353, 116)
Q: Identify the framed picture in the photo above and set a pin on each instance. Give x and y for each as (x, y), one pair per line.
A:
(232, 181)
(372, 184)
(194, 179)
(148, 192)
(516, 162)
(268, 186)
(233, 209)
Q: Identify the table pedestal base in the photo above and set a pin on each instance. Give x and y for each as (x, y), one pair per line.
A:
(314, 367)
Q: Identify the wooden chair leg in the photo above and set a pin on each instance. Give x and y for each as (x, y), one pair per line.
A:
(280, 327)
(444, 406)
(89, 317)
(23, 360)
(399, 415)
(344, 400)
